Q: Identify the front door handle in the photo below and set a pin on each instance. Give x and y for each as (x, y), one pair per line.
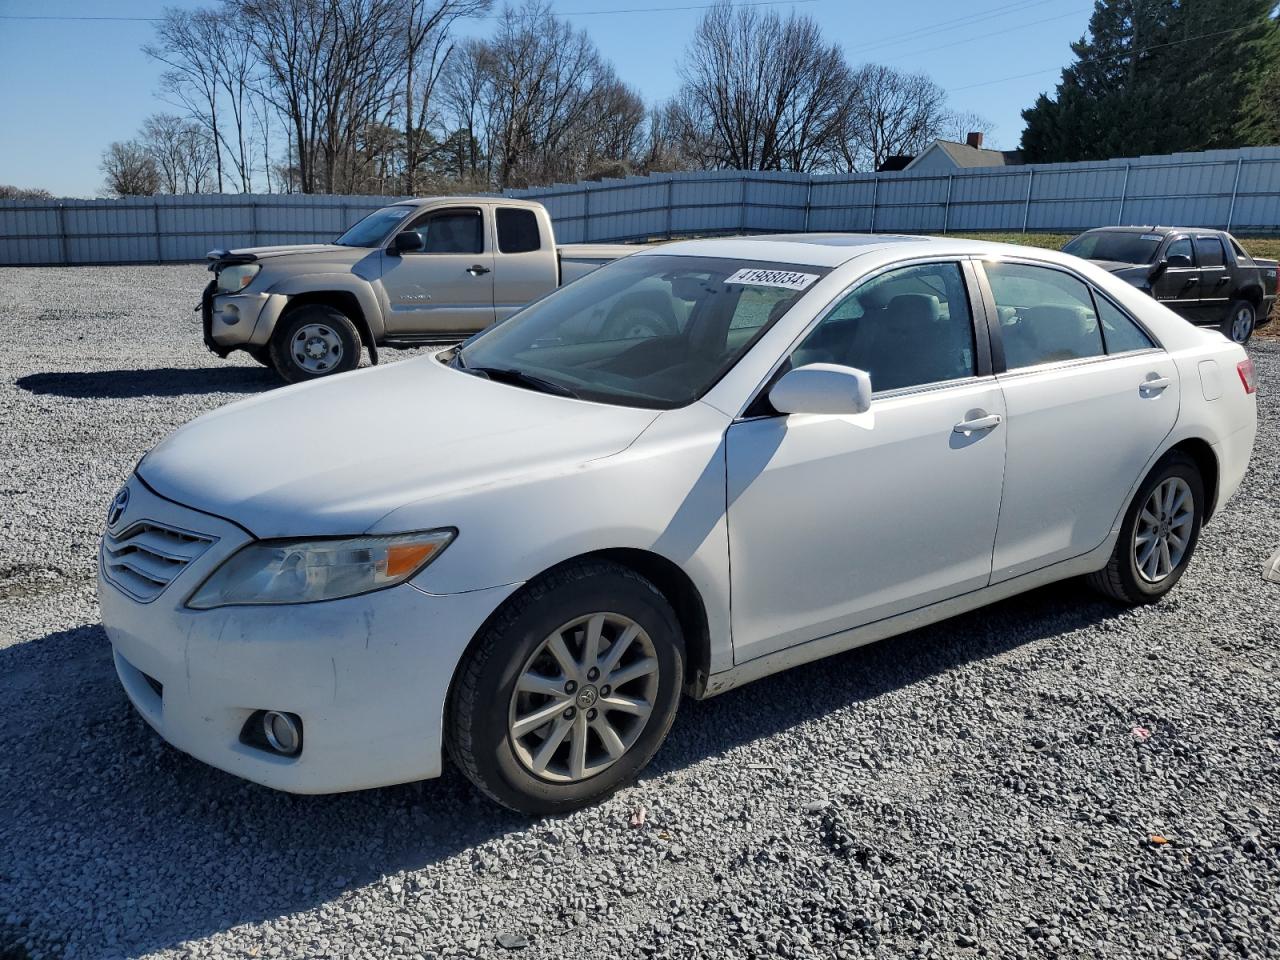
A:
(1154, 384)
(477, 270)
(987, 422)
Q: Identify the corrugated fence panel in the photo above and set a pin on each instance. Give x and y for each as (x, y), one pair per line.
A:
(1219, 188)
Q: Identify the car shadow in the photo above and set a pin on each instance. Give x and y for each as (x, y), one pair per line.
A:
(84, 780)
(151, 382)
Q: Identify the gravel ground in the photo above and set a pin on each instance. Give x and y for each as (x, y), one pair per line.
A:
(1052, 776)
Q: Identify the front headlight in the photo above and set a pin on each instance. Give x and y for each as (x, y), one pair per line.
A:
(302, 571)
(235, 278)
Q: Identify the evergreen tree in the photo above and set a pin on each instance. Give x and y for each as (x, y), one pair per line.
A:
(1162, 76)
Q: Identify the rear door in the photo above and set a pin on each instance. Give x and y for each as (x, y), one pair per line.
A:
(1178, 288)
(1215, 278)
(525, 267)
(447, 287)
(1090, 397)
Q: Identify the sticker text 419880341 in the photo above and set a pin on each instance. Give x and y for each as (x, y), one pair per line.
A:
(787, 279)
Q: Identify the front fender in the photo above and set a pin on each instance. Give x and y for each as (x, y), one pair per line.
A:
(358, 287)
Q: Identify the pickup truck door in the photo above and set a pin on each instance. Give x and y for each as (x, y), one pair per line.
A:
(447, 287)
(1178, 288)
(1215, 279)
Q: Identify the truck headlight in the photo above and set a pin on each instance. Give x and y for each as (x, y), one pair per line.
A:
(235, 278)
(303, 571)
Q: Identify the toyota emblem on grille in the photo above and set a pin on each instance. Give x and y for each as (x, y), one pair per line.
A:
(118, 506)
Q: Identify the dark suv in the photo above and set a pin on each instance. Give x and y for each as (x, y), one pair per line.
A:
(1203, 275)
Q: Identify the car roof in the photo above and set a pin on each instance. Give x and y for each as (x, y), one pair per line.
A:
(834, 249)
(1155, 230)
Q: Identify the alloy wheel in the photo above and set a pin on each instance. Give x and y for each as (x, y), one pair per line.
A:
(583, 698)
(1242, 323)
(1163, 531)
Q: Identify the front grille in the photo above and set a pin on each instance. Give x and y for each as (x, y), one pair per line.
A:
(147, 556)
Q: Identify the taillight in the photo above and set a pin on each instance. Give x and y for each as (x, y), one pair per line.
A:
(1247, 375)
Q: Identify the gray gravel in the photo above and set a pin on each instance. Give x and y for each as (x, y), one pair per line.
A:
(987, 787)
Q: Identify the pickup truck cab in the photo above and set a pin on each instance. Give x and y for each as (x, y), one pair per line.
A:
(1203, 275)
(416, 272)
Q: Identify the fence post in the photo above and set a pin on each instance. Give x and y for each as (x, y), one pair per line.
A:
(586, 213)
(875, 193)
(808, 200)
(155, 225)
(1124, 193)
(946, 207)
(670, 204)
(64, 245)
(253, 220)
(1235, 189)
(1026, 212)
(742, 203)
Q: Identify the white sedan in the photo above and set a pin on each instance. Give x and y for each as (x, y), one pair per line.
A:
(525, 549)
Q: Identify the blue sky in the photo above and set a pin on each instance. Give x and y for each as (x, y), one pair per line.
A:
(68, 88)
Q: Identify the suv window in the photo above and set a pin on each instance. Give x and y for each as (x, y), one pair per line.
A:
(451, 231)
(906, 327)
(1045, 315)
(1181, 246)
(1209, 252)
(517, 230)
(1119, 332)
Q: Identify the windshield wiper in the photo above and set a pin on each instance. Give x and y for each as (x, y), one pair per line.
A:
(520, 378)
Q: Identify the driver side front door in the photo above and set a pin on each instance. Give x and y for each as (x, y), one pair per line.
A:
(446, 287)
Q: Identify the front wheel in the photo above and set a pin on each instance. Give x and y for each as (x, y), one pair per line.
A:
(314, 341)
(1240, 321)
(569, 691)
(1158, 536)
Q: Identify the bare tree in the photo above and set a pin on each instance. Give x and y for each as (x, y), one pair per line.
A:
(893, 113)
(182, 151)
(762, 93)
(10, 192)
(130, 170)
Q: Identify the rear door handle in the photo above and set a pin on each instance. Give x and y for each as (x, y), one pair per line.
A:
(988, 422)
(1154, 384)
(477, 270)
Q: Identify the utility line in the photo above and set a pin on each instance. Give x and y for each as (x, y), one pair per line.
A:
(946, 26)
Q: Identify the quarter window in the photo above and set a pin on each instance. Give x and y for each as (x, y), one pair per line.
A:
(1045, 315)
(451, 231)
(907, 327)
(1209, 252)
(517, 230)
(1118, 331)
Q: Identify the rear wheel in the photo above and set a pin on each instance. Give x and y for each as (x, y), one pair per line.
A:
(1240, 321)
(569, 691)
(314, 341)
(1158, 536)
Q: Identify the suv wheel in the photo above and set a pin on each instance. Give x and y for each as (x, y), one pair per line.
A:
(1158, 536)
(1240, 321)
(569, 691)
(315, 341)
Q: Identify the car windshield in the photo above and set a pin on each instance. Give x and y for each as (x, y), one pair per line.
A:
(375, 228)
(1115, 246)
(646, 331)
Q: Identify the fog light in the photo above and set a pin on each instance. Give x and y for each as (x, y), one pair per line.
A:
(283, 731)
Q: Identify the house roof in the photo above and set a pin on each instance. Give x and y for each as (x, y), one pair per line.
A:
(963, 155)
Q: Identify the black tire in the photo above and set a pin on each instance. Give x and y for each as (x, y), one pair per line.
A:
(1120, 578)
(478, 715)
(261, 354)
(286, 351)
(1240, 321)
(636, 320)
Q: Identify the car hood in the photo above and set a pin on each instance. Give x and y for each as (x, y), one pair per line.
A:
(336, 455)
(264, 253)
(1119, 266)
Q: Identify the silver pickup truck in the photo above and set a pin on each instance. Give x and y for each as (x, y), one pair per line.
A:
(416, 272)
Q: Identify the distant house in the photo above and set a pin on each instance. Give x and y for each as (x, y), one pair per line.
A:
(946, 156)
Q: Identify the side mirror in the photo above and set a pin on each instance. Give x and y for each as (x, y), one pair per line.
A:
(822, 388)
(1177, 260)
(408, 242)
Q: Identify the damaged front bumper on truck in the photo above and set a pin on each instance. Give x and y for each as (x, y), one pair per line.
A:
(236, 321)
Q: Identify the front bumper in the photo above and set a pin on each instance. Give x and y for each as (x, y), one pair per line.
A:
(368, 675)
(230, 321)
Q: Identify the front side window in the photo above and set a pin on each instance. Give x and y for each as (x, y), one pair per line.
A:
(372, 230)
(1046, 316)
(517, 230)
(451, 231)
(1180, 248)
(906, 327)
(1209, 252)
(713, 310)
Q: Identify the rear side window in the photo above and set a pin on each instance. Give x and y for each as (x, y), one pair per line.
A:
(1209, 252)
(1119, 332)
(517, 230)
(1046, 316)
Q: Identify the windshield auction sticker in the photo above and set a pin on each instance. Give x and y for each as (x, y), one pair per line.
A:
(773, 278)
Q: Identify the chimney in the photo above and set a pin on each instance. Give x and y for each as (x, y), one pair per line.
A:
(974, 139)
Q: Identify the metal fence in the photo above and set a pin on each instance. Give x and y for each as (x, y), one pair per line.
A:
(1235, 189)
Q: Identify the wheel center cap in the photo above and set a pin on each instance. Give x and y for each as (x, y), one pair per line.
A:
(316, 348)
(587, 697)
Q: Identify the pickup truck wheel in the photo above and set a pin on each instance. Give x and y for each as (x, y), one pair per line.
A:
(1240, 321)
(315, 341)
(569, 690)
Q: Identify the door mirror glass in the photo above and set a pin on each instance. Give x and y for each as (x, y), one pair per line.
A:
(410, 241)
(822, 388)
(1178, 260)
